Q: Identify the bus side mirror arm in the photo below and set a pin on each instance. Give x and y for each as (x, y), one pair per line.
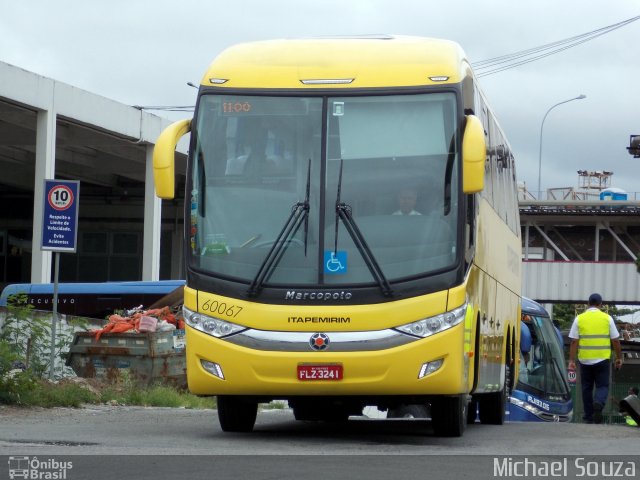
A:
(164, 158)
(474, 154)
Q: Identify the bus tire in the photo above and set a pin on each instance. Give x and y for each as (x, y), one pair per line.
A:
(409, 411)
(236, 414)
(449, 416)
(492, 407)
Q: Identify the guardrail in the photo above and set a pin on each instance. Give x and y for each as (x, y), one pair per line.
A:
(578, 207)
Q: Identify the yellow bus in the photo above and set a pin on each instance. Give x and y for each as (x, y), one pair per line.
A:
(351, 233)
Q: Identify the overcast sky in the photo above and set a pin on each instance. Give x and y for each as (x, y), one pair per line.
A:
(144, 52)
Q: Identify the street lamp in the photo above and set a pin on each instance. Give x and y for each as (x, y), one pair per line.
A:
(579, 97)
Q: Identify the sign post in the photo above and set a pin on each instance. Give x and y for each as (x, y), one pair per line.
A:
(59, 234)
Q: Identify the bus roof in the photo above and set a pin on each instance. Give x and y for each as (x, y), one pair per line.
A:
(369, 61)
(533, 308)
(159, 287)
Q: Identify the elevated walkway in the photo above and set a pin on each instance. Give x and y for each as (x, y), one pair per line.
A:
(575, 247)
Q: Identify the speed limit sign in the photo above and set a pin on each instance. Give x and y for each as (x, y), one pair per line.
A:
(61, 197)
(60, 216)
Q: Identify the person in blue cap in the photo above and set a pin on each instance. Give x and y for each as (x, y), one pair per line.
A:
(592, 335)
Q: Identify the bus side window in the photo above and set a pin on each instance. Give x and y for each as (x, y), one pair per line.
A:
(470, 225)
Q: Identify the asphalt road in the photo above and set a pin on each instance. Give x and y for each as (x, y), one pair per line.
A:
(140, 443)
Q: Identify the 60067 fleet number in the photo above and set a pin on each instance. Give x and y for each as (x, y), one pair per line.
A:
(221, 308)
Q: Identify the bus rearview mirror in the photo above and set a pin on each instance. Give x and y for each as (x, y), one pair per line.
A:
(474, 154)
(164, 158)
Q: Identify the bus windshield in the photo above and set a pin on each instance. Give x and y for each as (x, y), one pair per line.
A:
(265, 172)
(542, 369)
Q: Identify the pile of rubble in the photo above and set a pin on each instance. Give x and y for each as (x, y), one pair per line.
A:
(142, 321)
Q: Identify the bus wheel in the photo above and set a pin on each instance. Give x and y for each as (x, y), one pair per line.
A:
(449, 416)
(236, 414)
(409, 411)
(493, 405)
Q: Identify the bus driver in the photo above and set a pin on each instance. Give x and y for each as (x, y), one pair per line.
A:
(407, 199)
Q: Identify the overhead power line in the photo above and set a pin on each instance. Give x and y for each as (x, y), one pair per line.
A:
(512, 60)
(491, 65)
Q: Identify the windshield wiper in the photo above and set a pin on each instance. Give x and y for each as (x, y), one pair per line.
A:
(343, 212)
(299, 213)
(306, 206)
(447, 175)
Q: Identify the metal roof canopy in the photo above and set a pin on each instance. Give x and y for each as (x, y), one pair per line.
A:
(98, 141)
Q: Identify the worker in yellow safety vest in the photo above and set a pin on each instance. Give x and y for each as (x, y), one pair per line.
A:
(592, 335)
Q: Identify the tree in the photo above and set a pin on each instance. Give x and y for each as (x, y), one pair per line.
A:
(564, 313)
(616, 312)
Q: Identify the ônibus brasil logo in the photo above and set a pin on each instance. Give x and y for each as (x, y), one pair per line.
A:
(34, 468)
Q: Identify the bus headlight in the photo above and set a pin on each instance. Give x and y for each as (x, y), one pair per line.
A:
(429, 326)
(213, 326)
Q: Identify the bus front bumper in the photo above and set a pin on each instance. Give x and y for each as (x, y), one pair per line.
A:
(219, 367)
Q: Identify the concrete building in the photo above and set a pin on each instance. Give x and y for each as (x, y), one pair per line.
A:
(51, 130)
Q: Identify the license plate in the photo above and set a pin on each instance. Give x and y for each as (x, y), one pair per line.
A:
(320, 372)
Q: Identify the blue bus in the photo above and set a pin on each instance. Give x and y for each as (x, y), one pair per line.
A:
(92, 300)
(542, 393)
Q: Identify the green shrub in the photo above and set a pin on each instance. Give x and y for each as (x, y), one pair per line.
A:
(127, 393)
(28, 335)
(15, 385)
(62, 394)
(25, 341)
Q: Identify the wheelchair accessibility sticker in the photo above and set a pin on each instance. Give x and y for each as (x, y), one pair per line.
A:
(335, 262)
